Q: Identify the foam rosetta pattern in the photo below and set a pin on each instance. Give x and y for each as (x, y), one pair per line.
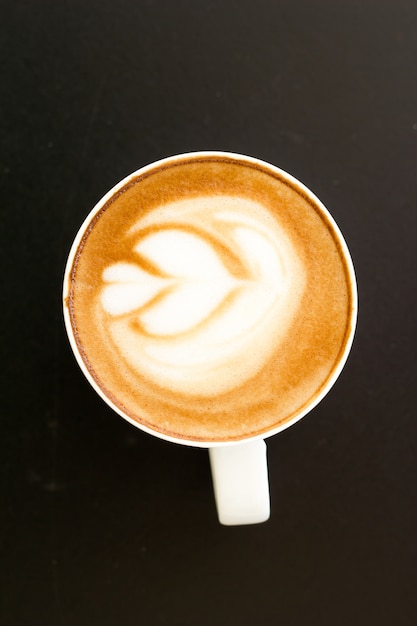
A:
(208, 291)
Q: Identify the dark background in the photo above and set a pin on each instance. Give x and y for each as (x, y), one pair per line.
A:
(101, 523)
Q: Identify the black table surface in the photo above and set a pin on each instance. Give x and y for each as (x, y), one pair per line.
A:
(101, 523)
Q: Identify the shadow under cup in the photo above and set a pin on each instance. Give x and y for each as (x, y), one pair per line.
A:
(210, 298)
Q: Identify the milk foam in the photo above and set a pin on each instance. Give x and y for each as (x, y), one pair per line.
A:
(210, 289)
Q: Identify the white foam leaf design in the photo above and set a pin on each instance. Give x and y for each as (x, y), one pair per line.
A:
(209, 289)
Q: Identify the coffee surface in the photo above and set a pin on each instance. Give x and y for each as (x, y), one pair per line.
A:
(210, 299)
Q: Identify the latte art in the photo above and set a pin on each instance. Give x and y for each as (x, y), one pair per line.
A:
(212, 288)
(209, 298)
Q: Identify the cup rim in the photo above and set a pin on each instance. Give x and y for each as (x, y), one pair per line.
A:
(294, 182)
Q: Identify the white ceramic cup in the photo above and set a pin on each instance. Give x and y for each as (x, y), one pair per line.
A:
(239, 468)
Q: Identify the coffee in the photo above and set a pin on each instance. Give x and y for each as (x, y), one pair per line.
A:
(210, 298)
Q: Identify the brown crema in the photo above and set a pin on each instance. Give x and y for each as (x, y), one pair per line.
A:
(296, 369)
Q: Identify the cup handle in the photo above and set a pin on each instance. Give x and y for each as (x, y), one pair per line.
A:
(240, 481)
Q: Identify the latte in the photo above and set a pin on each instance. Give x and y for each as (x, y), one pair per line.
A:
(210, 298)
